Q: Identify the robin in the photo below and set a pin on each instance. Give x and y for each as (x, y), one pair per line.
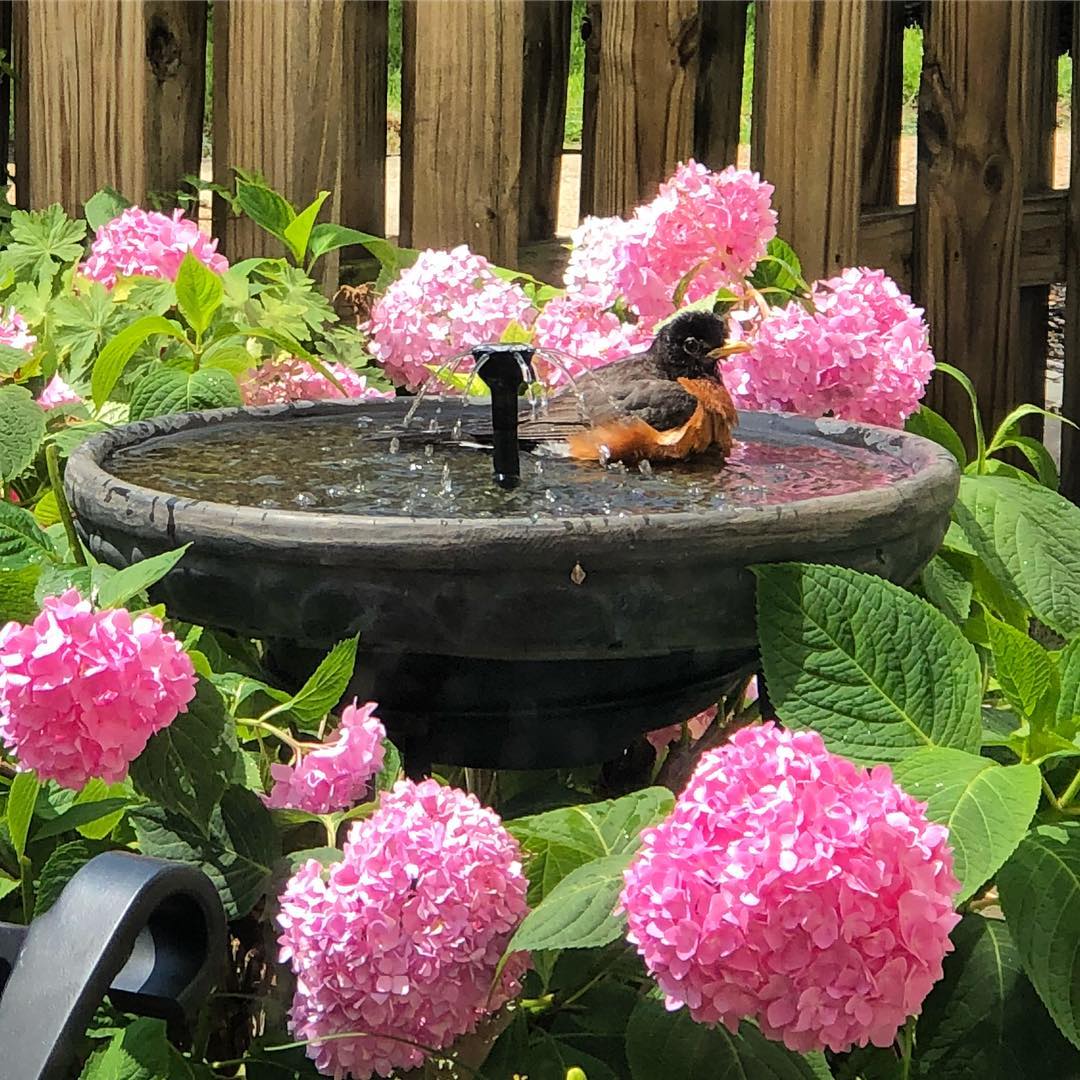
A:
(664, 404)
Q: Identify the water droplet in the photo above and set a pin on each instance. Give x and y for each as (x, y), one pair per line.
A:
(538, 467)
(395, 445)
(269, 504)
(363, 421)
(415, 466)
(433, 425)
(429, 451)
(447, 485)
(336, 492)
(455, 432)
(578, 575)
(644, 467)
(605, 455)
(550, 496)
(305, 498)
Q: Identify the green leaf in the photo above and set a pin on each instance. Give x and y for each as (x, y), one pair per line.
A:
(97, 791)
(265, 207)
(390, 772)
(969, 389)
(578, 912)
(1038, 457)
(876, 670)
(198, 293)
(165, 390)
(985, 806)
(1026, 535)
(235, 359)
(153, 294)
(17, 600)
(237, 855)
(778, 274)
(22, 798)
(984, 1019)
(933, 426)
(559, 841)
(60, 867)
(79, 815)
(947, 586)
(137, 578)
(1024, 670)
(549, 1057)
(298, 232)
(41, 242)
(47, 510)
(22, 427)
(1008, 428)
(671, 1045)
(326, 687)
(329, 237)
(186, 766)
(1040, 895)
(103, 206)
(1067, 718)
(12, 359)
(114, 357)
(21, 538)
(140, 1051)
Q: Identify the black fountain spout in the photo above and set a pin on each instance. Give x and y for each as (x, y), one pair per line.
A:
(505, 369)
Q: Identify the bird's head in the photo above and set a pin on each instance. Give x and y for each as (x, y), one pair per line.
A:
(689, 346)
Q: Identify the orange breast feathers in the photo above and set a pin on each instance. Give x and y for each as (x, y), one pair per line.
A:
(630, 439)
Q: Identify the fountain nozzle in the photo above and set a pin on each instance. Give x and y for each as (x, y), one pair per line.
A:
(505, 369)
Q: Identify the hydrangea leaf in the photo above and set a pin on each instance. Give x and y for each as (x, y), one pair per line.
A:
(237, 854)
(17, 587)
(1040, 895)
(671, 1045)
(22, 428)
(22, 798)
(1027, 675)
(986, 807)
(931, 425)
(947, 586)
(165, 390)
(877, 671)
(579, 912)
(559, 841)
(186, 766)
(65, 861)
(140, 1051)
(199, 292)
(114, 357)
(104, 205)
(548, 1055)
(1026, 535)
(326, 686)
(984, 1018)
(22, 540)
(137, 578)
(1067, 720)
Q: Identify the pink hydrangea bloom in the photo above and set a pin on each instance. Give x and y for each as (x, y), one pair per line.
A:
(150, 244)
(790, 886)
(57, 393)
(335, 776)
(863, 354)
(586, 334)
(402, 937)
(445, 303)
(290, 379)
(597, 257)
(15, 333)
(81, 691)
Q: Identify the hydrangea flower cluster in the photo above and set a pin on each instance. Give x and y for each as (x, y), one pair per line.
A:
(57, 393)
(863, 354)
(148, 243)
(81, 691)
(790, 886)
(588, 335)
(334, 776)
(14, 332)
(402, 937)
(291, 379)
(445, 303)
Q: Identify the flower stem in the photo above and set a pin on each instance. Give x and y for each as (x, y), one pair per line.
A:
(1070, 792)
(907, 1044)
(52, 463)
(272, 729)
(1048, 791)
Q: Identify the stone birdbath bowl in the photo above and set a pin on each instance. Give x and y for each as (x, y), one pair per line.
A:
(541, 627)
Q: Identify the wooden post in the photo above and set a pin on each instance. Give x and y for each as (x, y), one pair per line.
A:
(461, 125)
(1070, 390)
(808, 125)
(111, 93)
(883, 102)
(590, 30)
(718, 109)
(543, 115)
(363, 135)
(968, 215)
(648, 87)
(277, 108)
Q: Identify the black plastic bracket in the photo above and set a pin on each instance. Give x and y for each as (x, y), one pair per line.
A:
(505, 368)
(148, 933)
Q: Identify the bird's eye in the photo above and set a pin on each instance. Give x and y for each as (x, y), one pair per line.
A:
(693, 346)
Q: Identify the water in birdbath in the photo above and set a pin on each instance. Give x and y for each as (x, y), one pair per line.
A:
(349, 464)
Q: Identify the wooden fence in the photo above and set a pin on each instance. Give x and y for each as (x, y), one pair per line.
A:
(112, 91)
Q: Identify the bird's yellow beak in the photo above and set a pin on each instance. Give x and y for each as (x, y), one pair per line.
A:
(728, 350)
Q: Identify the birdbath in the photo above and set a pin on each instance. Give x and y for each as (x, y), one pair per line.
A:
(531, 625)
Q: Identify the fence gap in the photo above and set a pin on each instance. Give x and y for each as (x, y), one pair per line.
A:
(718, 107)
(461, 125)
(545, 72)
(882, 103)
(806, 134)
(590, 31)
(1070, 390)
(646, 99)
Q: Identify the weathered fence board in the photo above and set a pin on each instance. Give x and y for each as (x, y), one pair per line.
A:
(461, 124)
(647, 91)
(807, 125)
(111, 93)
(968, 216)
(718, 107)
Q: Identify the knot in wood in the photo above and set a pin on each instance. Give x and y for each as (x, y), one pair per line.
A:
(163, 51)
